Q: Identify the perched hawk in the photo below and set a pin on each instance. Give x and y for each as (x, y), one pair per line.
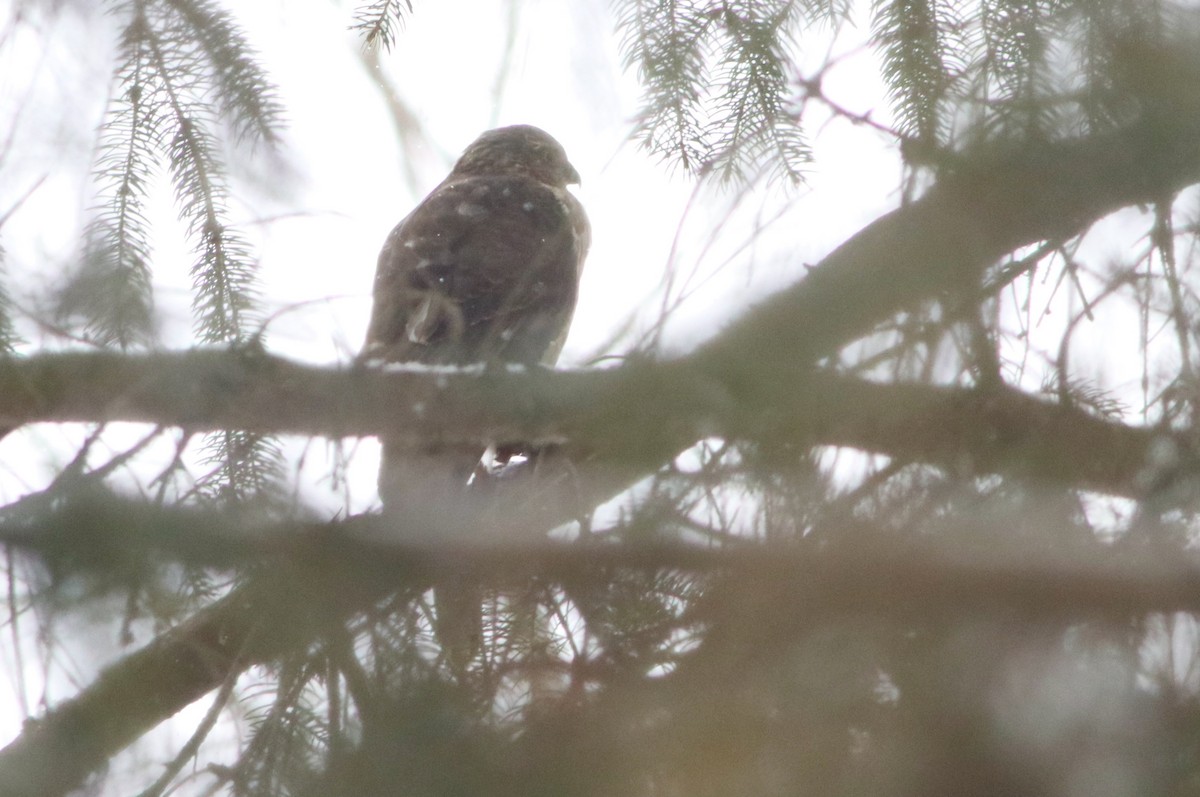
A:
(485, 269)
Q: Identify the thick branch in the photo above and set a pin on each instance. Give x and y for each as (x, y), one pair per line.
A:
(867, 568)
(627, 420)
(320, 575)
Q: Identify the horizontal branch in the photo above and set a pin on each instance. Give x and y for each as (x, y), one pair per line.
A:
(100, 534)
(630, 419)
(321, 574)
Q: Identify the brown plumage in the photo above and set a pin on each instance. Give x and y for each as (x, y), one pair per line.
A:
(485, 269)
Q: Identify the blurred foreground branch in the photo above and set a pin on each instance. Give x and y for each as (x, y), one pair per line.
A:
(321, 574)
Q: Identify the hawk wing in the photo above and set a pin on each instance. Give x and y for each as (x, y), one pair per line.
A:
(485, 269)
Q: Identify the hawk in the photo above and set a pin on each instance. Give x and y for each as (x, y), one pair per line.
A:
(485, 269)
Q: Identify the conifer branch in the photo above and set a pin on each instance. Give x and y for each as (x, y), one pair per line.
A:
(8, 334)
(376, 22)
(176, 58)
(112, 291)
(320, 578)
(225, 293)
(245, 94)
(1016, 45)
(912, 36)
(716, 80)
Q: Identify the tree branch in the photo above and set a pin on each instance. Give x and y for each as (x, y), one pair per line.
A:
(319, 574)
(631, 419)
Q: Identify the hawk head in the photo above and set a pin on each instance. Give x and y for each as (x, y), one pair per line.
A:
(521, 149)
